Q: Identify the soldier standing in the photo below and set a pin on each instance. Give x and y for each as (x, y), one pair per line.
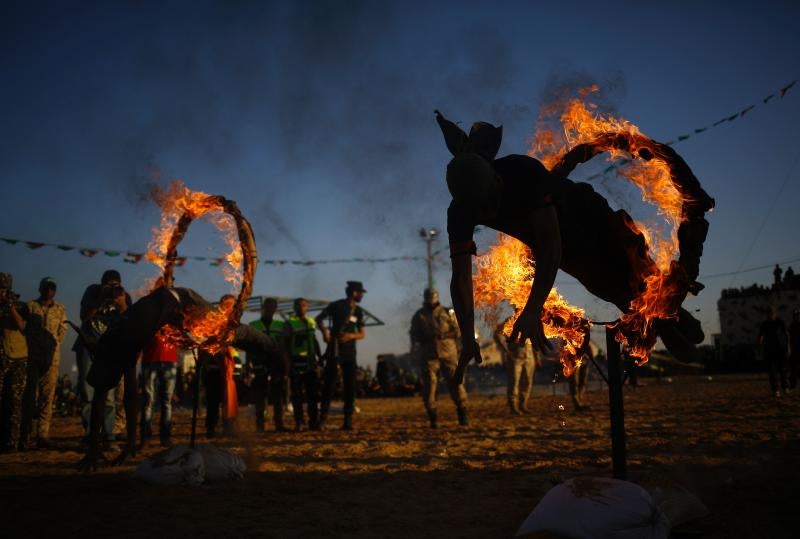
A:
(304, 352)
(434, 331)
(520, 361)
(269, 374)
(13, 364)
(347, 327)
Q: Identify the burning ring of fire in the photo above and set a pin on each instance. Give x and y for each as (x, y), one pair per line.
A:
(180, 207)
(664, 290)
(507, 271)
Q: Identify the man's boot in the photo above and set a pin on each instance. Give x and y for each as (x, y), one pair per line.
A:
(463, 420)
(348, 422)
(523, 407)
(432, 418)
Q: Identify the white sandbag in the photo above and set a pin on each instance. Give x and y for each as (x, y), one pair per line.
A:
(597, 507)
(220, 464)
(177, 465)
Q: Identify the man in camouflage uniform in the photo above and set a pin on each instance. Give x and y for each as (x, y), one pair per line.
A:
(13, 364)
(45, 332)
(434, 331)
(520, 361)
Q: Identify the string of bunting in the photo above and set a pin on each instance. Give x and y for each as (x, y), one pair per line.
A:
(730, 118)
(135, 258)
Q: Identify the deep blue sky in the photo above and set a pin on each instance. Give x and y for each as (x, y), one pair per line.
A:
(317, 117)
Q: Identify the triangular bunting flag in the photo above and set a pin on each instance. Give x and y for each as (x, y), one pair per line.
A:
(10, 241)
(65, 247)
(111, 253)
(180, 261)
(33, 244)
(88, 252)
(133, 258)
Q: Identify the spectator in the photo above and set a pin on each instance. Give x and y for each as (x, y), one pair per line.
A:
(13, 364)
(773, 338)
(45, 334)
(101, 305)
(159, 372)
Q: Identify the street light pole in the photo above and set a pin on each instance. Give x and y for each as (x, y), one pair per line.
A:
(429, 234)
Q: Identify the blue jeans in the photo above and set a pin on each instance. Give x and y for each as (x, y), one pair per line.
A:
(158, 377)
(86, 392)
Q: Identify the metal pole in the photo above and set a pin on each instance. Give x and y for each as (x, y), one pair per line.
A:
(197, 374)
(615, 403)
(429, 240)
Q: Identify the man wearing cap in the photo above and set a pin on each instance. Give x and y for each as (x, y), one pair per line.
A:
(434, 334)
(346, 320)
(101, 305)
(45, 333)
(13, 364)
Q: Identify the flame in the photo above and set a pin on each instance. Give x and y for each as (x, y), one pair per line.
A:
(177, 202)
(509, 273)
(506, 272)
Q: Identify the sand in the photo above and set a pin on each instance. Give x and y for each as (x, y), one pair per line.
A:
(727, 440)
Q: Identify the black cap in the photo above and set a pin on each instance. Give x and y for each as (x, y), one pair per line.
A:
(355, 286)
(111, 275)
(47, 282)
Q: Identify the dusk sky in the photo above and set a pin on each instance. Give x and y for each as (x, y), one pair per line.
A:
(317, 118)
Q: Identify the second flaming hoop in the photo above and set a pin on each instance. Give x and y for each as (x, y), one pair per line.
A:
(214, 328)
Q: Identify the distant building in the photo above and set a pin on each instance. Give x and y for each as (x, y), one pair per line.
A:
(741, 311)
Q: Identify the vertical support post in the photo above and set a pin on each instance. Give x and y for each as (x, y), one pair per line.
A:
(429, 240)
(618, 451)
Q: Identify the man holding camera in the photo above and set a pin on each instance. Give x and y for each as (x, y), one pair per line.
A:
(13, 364)
(101, 305)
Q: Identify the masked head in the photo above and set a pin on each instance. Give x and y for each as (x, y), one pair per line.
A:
(471, 177)
(431, 296)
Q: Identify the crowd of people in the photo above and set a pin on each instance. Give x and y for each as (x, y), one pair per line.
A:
(302, 380)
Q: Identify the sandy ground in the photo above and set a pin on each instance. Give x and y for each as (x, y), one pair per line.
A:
(726, 440)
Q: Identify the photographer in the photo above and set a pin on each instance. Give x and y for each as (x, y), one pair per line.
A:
(13, 364)
(101, 306)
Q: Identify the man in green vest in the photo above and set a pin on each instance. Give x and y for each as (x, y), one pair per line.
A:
(305, 356)
(269, 374)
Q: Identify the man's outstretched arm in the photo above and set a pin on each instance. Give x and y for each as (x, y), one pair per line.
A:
(546, 240)
(461, 293)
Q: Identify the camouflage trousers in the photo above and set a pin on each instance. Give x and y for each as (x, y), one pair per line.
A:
(47, 392)
(520, 373)
(430, 375)
(13, 376)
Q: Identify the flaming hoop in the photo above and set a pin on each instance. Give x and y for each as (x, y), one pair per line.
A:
(665, 180)
(665, 289)
(205, 329)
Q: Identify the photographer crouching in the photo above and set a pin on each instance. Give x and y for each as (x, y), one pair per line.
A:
(13, 364)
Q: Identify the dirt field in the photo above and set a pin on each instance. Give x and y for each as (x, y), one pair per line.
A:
(726, 440)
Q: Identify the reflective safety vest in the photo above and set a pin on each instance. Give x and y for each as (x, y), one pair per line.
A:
(302, 342)
(276, 330)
